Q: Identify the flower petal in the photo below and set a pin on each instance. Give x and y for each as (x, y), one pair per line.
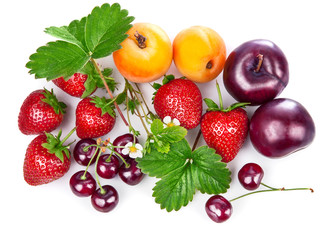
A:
(128, 145)
(125, 151)
(133, 154)
(167, 119)
(139, 147)
(176, 122)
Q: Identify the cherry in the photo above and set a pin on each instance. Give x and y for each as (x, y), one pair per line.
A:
(131, 175)
(121, 141)
(105, 199)
(250, 176)
(83, 157)
(107, 168)
(218, 208)
(82, 184)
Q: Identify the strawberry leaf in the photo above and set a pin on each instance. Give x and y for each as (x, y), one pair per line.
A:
(57, 59)
(182, 172)
(173, 134)
(210, 175)
(51, 99)
(106, 28)
(157, 126)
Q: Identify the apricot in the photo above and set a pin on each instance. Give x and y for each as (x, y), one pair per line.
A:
(146, 54)
(199, 53)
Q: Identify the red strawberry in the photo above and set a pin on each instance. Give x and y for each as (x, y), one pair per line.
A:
(40, 112)
(74, 86)
(225, 130)
(46, 159)
(95, 117)
(180, 99)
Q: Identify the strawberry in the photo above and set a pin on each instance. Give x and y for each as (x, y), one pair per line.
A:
(82, 85)
(225, 130)
(46, 159)
(74, 86)
(40, 112)
(95, 117)
(180, 99)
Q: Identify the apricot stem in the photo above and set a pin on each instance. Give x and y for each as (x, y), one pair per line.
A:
(209, 65)
(260, 58)
(108, 90)
(140, 40)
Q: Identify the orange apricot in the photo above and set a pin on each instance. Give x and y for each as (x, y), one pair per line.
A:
(199, 53)
(146, 54)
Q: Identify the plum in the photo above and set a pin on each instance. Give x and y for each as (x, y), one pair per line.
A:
(256, 72)
(281, 127)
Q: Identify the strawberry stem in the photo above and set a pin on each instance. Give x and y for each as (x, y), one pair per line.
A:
(220, 97)
(67, 136)
(108, 90)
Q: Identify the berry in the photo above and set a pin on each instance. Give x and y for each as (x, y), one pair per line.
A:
(121, 141)
(180, 99)
(106, 200)
(82, 184)
(74, 86)
(107, 168)
(218, 208)
(83, 157)
(131, 175)
(40, 112)
(225, 130)
(250, 176)
(95, 117)
(46, 159)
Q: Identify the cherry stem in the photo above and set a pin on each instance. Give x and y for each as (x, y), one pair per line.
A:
(108, 90)
(96, 173)
(260, 58)
(271, 190)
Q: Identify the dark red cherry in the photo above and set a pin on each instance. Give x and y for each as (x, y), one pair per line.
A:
(105, 201)
(108, 168)
(250, 176)
(82, 186)
(83, 157)
(121, 141)
(131, 175)
(218, 208)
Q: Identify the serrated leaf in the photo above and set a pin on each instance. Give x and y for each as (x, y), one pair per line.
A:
(176, 189)
(104, 37)
(63, 33)
(157, 126)
(162, 147)
(173, 134)
(210, 175)
(57, 59)
(121, 98)
(212, 106)
(156, 164)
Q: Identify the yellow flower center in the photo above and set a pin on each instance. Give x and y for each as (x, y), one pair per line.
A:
(132, 149)
(171, 124)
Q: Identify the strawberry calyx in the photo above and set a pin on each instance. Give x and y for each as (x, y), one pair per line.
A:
(51, 99)
(212, 106)
(106, 105)
(55, 145)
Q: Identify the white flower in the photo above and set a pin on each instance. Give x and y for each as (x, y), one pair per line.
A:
(134, 150)
(167, 120)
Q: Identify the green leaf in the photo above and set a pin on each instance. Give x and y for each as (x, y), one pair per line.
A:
(162, 147)
(106, 28)
(106, 105)
(121, 98)
(212, 106)
(57, 59)
(175, 189)
(210, 175)
(173, 134)
(157, 126)
(158, 165)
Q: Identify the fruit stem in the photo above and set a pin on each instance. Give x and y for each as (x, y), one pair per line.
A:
(140, 40)
(96, 174)
(91, 160)
(271, 190)
(220, 97)
(260, 58)
(268, 186)
(108, 90)
(196, 140)
(146, 105)
(67, 136)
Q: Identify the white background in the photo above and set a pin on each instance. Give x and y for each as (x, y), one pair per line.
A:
(51, 211)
